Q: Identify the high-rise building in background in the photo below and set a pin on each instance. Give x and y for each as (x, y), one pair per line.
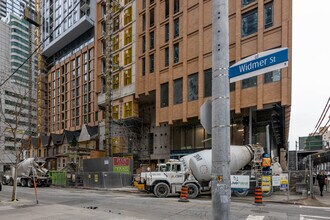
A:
(18, 108)
(174, 75)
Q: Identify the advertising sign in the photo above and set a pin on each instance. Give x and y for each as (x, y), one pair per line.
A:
(266, 183)
(240, 182)
(121, 165)
(284, 181)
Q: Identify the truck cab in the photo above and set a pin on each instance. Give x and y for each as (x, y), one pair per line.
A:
(167, 180)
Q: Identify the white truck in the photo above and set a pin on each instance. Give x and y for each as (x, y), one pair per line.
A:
(194, 171)
(28, 170)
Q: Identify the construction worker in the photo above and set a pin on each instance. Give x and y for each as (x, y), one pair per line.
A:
(266, 164)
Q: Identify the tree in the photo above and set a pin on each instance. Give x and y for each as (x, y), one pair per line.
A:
(16, 110)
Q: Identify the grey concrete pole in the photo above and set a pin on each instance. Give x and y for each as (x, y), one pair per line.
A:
(268, 140)
(221, 191)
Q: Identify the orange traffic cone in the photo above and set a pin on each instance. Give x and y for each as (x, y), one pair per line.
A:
(184, 194)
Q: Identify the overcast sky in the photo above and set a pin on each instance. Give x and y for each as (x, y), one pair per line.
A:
(310, 68)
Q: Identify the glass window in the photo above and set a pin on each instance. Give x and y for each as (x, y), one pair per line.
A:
(269, 15)
(176, 28)
(177, 91)
(208, 83)
(246, 2)
(115, 112)
(167, 8)
(143, 4)
(128, 56)
(152, 17)
(176, 6)
(273, 76)
(152, 63)
(167, 32)
(176, 57)
(128, 109)
(128, 36)
(115, 81)
(249, 82)
(143, 44)
(249, 23)
(193, 87)
(127, 15)
(152, 40)
(167, 56)
(127, 77)
(144, 22)
(116, 24)
(143, 66)
(164, 95)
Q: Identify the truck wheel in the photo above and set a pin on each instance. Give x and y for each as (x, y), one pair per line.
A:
(241, 193)
(30, 183)
(23, 182)
(192, 190)
(161, 190)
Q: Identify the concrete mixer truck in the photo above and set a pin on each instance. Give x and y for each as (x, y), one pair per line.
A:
(194, 171)
(28, 170)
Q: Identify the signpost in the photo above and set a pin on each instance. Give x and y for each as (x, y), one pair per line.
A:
(260, 63)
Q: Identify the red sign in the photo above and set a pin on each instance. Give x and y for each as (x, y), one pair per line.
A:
(120, 161)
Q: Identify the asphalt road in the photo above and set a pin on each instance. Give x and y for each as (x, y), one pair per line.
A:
(67, 203)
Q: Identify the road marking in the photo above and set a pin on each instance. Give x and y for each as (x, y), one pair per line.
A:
(312, 217)
(254, 217)
(315, 207)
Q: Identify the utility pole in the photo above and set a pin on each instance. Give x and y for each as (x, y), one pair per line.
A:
(221, 191)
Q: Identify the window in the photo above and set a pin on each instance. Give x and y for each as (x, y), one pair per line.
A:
(176, 6)
(164, 95)
(143, 44)
(128, 36)
(127, 77)
(115, 81)
(128, 56)
(167, 8)
(273, 76)
(167, 32)
(246, 2)
(167, 56)
(143, 66)
(115, 43)
(152, 63)
(193, 87)
(127, 15)
(176, 28)
(249, 82)
(143, 4)
(115, 112)
(269, 17)
(144, 22)
(152, 40)
(115, 62)
(152, 17)
(177, 91)
(151, 2)
(249, 23)
(208, 83)
(116, 23)
(128, 110)
(176, 53)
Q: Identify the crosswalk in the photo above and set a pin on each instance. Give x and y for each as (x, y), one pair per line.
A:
(301, 216)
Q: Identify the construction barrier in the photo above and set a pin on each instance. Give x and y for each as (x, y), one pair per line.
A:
(184, 194)
(258, 196)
